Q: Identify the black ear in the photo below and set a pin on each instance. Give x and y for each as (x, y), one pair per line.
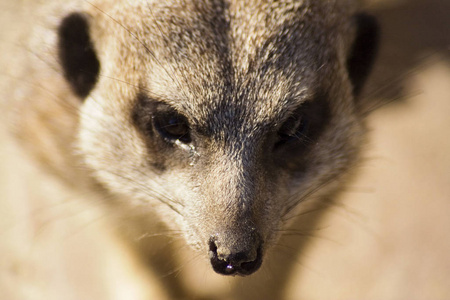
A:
(363, 51)
(77, 55)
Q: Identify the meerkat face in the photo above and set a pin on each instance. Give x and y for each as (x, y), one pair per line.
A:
(222, 117)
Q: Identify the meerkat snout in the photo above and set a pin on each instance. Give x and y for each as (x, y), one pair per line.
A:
(242, 257)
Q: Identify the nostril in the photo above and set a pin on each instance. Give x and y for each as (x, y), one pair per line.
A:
(242, 263)
(249, 267)
(219, 266)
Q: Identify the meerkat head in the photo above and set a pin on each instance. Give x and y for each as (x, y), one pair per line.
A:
(221, 116)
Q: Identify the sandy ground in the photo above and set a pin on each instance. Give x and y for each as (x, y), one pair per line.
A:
(386, 238)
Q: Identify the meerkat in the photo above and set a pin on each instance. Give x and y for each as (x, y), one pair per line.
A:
(221, 118)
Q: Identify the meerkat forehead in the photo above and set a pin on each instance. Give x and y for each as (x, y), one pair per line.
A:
(252, 60)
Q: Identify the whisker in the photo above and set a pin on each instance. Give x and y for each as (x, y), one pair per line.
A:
(304, 213)
(162, 191)
(293, 253)
(40, 86)
(309, 235)
(169, 233)
(169, 48)
(149, 92)
(295, 201)
(82, 227)
(383, 88)
(152, 193)
(178, 270)
(64, 213)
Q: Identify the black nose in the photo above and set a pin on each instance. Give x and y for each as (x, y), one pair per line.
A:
(242, 263)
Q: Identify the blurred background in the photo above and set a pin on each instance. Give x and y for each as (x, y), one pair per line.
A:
(386, 237)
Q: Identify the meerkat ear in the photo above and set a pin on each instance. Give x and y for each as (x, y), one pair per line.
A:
(363, 51)
(77, 54)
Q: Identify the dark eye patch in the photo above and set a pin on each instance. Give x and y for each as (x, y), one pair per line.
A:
(160, 126)
(304, 125)
(154, 118)
(296, 128)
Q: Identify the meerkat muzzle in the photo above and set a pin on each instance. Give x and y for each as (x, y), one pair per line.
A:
(237, 259)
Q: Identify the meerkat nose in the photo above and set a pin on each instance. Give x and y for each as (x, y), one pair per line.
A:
(242, 262)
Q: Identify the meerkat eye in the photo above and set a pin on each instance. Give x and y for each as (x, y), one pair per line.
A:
(306, 123)
(294, 129)
(172, 126)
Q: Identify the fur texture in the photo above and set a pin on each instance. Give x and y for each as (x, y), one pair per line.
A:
(222, 118)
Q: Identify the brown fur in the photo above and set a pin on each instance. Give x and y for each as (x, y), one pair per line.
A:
(237, 71)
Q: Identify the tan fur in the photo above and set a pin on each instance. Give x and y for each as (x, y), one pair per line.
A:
(236, 70)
